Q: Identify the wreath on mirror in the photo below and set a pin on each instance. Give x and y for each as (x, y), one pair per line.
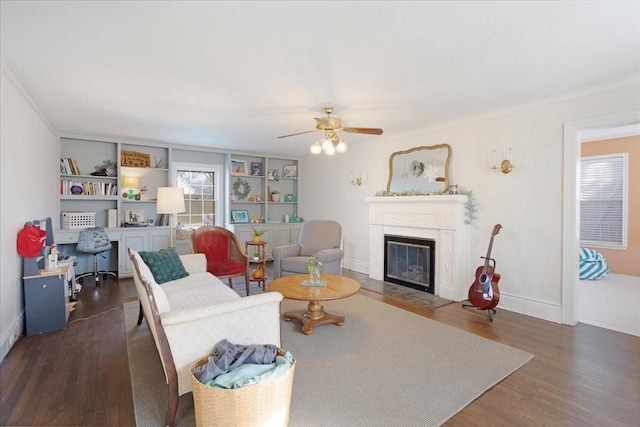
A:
(241, 189)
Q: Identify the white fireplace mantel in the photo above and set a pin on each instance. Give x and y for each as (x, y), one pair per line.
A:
(440, 218)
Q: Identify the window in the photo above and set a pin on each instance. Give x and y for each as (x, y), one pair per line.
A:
(603, 201)
(201, 185)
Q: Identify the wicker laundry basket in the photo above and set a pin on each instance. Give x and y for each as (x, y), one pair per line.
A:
(261, 404)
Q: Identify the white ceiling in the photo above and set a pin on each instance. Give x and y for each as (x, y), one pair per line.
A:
(235, 75)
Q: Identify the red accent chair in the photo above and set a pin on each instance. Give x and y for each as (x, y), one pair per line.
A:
(225, 257)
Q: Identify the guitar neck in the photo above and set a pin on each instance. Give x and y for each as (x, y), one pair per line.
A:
(488, 257)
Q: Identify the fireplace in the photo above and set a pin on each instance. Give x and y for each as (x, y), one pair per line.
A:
(410, 262)
(439, 219)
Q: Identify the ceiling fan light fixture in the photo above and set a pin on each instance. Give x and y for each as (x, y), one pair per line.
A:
(327, 145)
(330, 142)
(316, 148)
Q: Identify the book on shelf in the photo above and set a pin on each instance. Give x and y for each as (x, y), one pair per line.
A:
(69, 166)
(95, 188)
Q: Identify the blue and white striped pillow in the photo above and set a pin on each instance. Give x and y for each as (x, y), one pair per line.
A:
(593, 266)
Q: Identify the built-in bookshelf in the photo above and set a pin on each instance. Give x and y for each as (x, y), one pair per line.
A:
(97, 176)
(92, 179)
(265, 187)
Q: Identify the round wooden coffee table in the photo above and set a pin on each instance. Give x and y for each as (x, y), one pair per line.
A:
(337, 287)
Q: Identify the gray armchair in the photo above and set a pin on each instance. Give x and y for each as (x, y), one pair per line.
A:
(321, 238)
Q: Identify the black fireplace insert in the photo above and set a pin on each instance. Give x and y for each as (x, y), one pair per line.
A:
(410, 261)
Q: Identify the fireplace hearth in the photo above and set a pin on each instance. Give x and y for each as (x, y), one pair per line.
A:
(410, 262)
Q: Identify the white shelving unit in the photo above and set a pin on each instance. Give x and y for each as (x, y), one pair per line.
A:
(258, 201)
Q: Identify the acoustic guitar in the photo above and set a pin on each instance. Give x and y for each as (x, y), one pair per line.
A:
(484, 292)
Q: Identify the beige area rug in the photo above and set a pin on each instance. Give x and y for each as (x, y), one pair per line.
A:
(384, 367)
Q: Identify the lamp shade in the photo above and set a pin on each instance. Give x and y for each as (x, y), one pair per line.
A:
(170, 200)
(130, 182)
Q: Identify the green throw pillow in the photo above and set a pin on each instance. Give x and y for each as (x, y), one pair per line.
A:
(165, 265)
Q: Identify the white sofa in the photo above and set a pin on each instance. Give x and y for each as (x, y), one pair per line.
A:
(188, 316)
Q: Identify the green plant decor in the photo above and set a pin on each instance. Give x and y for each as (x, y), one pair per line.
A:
(258, 233)
(313, 264)
(241, 189)
(470, 208)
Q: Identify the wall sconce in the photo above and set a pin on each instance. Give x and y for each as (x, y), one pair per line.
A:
(131, 184)
(356, 177)
(506, 166)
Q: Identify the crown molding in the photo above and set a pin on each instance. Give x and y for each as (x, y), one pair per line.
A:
(584, 92)
(16, 81)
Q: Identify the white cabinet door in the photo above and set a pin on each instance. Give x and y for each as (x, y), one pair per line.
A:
(244, 233)
(281, 236)
(158, 239)
(136, 240)
(295, 233)
(275, 234)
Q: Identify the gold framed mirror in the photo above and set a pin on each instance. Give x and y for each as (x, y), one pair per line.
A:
(421, 170)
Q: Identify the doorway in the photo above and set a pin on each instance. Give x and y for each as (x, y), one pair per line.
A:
(571, 208)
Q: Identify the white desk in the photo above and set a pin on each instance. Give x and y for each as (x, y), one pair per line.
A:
(137, 238)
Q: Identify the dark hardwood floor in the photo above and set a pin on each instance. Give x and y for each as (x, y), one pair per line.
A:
(580, 376)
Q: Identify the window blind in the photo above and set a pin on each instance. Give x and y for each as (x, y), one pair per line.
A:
(603, 200)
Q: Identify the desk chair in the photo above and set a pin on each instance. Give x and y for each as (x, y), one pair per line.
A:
(94, 241)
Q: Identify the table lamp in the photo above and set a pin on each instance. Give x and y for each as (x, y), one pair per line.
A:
(131, 183)
(171, 202)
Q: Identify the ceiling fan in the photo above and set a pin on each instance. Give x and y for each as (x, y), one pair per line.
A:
(331, 141)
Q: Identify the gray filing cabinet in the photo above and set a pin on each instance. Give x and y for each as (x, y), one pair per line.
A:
(46, 298)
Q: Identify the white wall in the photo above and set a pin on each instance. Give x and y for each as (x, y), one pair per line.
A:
(527, 202)
(29, 179)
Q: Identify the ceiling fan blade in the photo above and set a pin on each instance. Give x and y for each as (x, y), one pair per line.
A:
(369, 131)
(299, 133)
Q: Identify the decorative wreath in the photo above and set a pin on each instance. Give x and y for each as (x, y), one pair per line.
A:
(241, 189)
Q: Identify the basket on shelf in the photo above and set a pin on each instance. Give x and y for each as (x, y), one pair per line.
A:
(245, 406)
(77, 220)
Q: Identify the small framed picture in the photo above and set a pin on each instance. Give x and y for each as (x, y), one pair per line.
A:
(238, 167)
(290, 198)
(273, 174)
(240, 217)
(290, 171)
(256, 169)
(134, 216)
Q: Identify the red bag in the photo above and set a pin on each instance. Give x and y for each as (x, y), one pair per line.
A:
(31, 240)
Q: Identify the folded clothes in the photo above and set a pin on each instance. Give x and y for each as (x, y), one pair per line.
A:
(252, 373)
(227, 357)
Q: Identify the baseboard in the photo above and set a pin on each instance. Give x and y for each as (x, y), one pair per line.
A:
(10, 339)
(355, 265)
(538, 309)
